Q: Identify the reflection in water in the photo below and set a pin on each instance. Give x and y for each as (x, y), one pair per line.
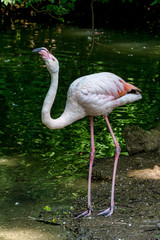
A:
(24, 83)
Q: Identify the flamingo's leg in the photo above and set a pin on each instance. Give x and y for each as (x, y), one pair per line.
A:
(110, 210)
(89, 210)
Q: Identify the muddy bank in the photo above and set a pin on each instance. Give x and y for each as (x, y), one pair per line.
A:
(136, 215)
(137, 192)
(137, 200)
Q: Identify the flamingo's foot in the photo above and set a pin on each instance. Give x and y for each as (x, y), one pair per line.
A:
(108, 212)
(84, 214)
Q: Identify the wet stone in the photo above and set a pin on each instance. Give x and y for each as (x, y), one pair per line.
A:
(138, 140)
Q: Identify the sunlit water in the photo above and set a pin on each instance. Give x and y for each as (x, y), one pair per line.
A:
(53, 155)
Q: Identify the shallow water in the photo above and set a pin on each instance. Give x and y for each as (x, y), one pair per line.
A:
(24, 83)
(52, 160)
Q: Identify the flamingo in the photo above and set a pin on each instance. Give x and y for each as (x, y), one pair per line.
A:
(91, 95)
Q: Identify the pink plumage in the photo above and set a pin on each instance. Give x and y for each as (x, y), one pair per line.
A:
(99, 93)
(92, 95)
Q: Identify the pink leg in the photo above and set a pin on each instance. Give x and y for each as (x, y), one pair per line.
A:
(109, 211)
(89, 210)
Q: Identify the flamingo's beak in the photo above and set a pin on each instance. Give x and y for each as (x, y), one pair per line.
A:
(38, 50)
(44, 53)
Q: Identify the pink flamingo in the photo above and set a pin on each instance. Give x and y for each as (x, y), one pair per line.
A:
(92, 95)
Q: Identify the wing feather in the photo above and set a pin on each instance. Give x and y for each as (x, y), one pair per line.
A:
(96, 92)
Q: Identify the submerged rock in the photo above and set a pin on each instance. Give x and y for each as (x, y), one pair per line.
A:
(138, 140)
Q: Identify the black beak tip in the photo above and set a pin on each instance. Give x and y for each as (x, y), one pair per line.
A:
(37, 50)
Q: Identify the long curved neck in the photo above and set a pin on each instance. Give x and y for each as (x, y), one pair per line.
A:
(49, 99)
(65, 118)
(48, 102)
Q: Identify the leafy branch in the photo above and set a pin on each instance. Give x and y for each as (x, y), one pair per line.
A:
(58, 8)
(54, 8)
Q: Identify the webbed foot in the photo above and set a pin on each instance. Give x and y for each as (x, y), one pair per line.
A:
(84, 214)
(108, 212)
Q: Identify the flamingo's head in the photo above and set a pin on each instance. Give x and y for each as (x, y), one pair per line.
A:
(50, 61)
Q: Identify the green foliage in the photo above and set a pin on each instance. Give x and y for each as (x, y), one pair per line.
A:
(155, 2)
(127, 0)
(6, 2)
(60, 7)
(54, 8)
(57, 8)
(47, 208)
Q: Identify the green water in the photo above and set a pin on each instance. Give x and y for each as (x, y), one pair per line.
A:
(52, 158)
(24, 83)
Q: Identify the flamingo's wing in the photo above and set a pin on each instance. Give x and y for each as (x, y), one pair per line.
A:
(97, 93)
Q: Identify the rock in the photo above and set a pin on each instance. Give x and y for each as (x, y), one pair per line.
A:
(138, 140)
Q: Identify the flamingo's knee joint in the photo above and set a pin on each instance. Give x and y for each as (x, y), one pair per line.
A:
(118, 149)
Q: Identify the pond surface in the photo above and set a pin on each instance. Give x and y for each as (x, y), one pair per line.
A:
(25, 81)
(50, 161)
